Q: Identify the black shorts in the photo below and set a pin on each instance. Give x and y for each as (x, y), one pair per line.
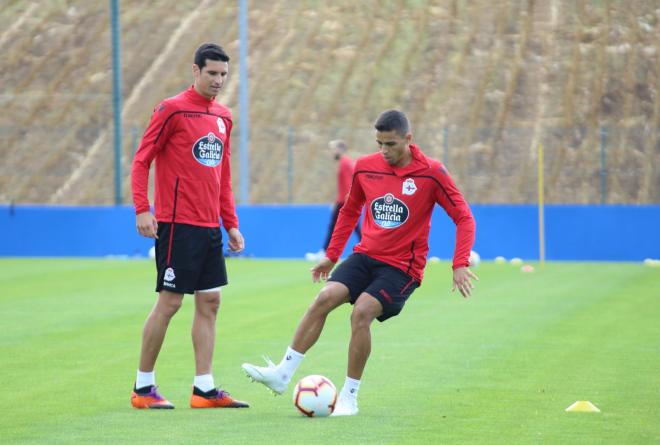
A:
(189, 258)
(387, 284)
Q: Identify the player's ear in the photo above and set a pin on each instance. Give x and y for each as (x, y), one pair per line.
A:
(195, 70)
(408, 137)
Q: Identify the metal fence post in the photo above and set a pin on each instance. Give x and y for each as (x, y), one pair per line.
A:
(289, 151)
(445, 145)
(603, 164)
(244, 104)
(116, 94)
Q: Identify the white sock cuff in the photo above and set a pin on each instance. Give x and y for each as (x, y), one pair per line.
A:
(293, 352)
(204, 382)
(289, 364)
(351, 387)
(145, 379)
(352, 382)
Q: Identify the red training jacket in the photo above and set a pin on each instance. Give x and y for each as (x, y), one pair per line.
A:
(189, 138)
(400, 204)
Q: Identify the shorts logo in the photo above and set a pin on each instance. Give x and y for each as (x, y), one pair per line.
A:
(221, 126)
(169, 274)
(208, 150)
(389, 212)
(409, 187)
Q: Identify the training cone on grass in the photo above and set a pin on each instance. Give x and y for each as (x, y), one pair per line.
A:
(583, 406)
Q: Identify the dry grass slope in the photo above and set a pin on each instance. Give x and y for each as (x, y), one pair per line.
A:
(484, 83)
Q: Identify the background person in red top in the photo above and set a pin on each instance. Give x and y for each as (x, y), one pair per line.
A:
(400, 187)
(344, 176)
(189, 138)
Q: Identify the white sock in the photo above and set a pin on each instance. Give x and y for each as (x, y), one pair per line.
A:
(145, 379)
(290, 363)
(351, 388)
(204, 382)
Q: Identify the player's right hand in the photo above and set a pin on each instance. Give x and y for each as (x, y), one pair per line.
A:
(146, 225)
(321, 271)
(462, 281)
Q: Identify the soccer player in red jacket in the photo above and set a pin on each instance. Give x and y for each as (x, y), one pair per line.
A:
(400, 187)
(189, 139)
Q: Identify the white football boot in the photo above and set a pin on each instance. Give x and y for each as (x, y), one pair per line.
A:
(346, 406)
(267, 375)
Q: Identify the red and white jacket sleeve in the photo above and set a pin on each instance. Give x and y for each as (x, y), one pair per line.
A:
(452, 201)
(227, 205)
(152, 142)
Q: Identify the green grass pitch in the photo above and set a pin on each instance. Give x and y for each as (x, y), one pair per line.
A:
(498, 368)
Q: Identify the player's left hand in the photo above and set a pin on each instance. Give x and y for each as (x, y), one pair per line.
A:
(236, 241)
(321, 271)
(462, 281)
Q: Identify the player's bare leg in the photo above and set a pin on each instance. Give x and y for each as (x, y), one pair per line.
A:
(155, 327)
(205, 394)
(145, 395)
(309, 330)
(277, 377)
(207, 305)
(365, 310)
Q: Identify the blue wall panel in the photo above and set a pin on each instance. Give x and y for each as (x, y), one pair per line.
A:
(290, 231)
(617, 232)
(69, 231)
(573, 232)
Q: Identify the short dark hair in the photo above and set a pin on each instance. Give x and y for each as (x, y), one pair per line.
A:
(393, 120)
(209, 51)
(338, 144)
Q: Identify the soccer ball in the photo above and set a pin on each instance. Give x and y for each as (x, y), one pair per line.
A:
(475, 259)
(315, 396)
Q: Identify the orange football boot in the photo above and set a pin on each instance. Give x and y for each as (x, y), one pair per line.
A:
(150, 400)
(214, 398)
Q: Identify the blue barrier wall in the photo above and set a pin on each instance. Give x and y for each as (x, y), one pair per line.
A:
(573, 232)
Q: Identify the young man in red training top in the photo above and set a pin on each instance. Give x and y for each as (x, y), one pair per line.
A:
(344, 176)
(400, 186)
(189, 138)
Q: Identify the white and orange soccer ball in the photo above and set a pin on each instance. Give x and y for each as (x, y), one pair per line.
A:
(315, 396)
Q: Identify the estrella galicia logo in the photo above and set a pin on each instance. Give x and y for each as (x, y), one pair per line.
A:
(208, 150)
(389, 212)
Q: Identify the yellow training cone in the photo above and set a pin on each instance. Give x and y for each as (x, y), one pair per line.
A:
(583, 406)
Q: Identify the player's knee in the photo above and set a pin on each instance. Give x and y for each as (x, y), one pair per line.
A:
(361, 317)
(209, 306)
(169, 307)
(325, 301)
(214, 306)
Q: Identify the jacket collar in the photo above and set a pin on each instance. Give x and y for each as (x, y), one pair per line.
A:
(417, 163)
(192, 95)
